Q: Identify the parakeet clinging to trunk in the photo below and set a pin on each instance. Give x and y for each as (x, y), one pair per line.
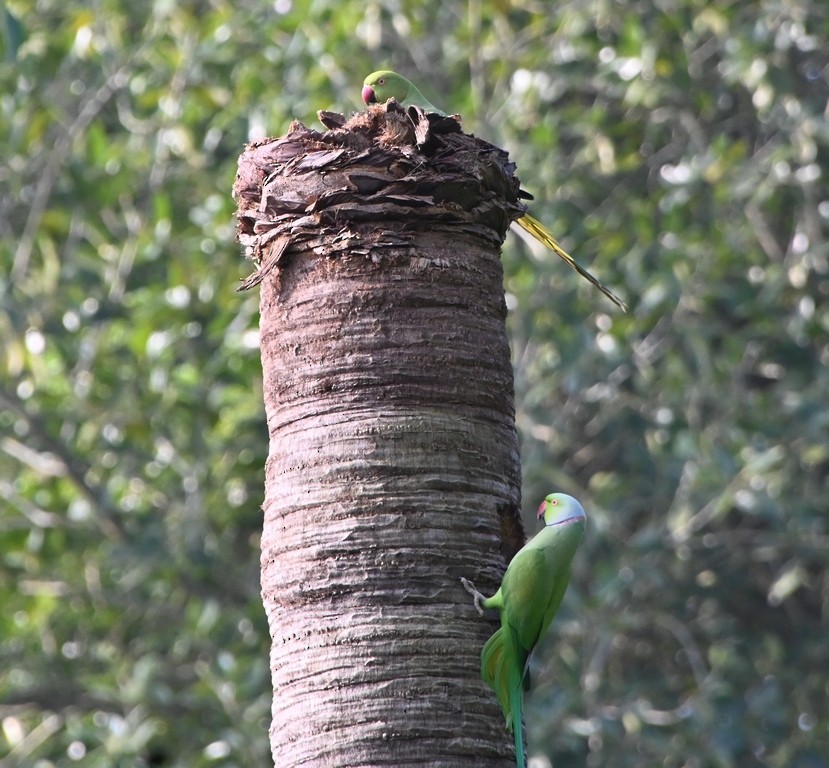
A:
(528, 599)
(385, 84)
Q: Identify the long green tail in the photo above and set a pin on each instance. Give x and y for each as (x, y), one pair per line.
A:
(502, 672)
(517, 730)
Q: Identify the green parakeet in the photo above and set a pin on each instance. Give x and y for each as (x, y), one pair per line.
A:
(385, 84)
(528, 599)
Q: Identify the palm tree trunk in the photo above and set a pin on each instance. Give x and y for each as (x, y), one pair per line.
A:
(393, 466)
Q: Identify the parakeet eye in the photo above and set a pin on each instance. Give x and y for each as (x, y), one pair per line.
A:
(554, 502)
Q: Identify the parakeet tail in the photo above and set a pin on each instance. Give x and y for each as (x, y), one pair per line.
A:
(494, 672)
(515, 695)
(502, 673)
(545, 237)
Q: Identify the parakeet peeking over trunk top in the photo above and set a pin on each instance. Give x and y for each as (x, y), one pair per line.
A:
(529, 596)
(384, 85)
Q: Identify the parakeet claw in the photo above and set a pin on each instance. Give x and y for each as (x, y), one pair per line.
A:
(477, 596)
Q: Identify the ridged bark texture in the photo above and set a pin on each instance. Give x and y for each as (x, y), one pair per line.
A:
(393, 467)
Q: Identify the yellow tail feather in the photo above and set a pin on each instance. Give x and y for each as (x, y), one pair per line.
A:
(545, 237)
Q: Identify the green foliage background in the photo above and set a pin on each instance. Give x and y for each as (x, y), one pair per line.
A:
(679, 147)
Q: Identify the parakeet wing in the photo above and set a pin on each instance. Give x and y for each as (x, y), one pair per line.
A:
(526, 592)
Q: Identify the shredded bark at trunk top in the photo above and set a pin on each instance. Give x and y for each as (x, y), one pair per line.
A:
(386, 164)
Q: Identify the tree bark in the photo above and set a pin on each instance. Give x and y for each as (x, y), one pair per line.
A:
(393, 466)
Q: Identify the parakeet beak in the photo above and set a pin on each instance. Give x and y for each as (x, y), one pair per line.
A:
(542, 509)
(368, 94)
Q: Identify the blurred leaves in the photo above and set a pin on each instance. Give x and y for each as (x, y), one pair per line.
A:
(680, 152)
(696, 178)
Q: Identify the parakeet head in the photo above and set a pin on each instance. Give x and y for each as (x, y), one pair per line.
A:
(384, 85)
(559, 508)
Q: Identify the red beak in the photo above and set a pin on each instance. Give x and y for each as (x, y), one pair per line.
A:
(542, 509)
(368, 94)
